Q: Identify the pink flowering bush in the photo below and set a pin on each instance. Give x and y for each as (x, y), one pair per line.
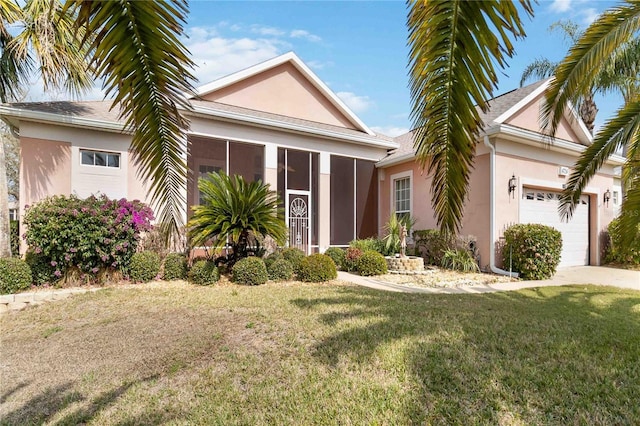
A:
(89, 235)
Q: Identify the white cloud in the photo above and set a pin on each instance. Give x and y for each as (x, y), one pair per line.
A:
(319, 65)
(560, 5)
(354, 102)
(589, 15)
(305, 35)
(266, 31)
(392, 131)
(217, 56)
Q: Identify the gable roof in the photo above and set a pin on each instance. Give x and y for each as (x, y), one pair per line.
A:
(294, 60)
(501, 109)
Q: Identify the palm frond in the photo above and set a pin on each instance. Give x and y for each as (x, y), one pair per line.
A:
(538, 69)
(50, 33)
(454, 46)
(629, 225)
(578, 72)
(138, 51)
(621, 129)
(13, 71)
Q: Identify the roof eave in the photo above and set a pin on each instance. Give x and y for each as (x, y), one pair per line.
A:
(365, 139)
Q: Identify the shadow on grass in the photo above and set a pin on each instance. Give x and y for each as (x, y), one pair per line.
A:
(550, 355)
(46, 406)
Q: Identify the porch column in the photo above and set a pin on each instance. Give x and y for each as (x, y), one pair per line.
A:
(324, 201)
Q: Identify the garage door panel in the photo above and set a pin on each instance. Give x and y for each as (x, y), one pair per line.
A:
(540, 206)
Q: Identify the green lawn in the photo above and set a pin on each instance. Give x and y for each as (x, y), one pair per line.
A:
(323, 354)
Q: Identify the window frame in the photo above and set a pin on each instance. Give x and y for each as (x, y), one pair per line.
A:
(392, 190)
(107, 154)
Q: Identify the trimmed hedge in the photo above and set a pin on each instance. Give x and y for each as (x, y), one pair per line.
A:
(144, 266)
(15, 275)
(618, 254)
(204, 272)
(270, 259)
(535, 250)
(351, 257)
(317, 268)
(337, 255)
(294, 256)
(250, 271)
(371, 263)
(368, 244)
(280, 270)
(175, 267)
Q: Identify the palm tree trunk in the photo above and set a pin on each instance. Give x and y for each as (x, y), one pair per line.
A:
(5, 235)
(588, 111)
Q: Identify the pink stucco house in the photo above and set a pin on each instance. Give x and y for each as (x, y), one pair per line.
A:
(277, 121)
(517, 178)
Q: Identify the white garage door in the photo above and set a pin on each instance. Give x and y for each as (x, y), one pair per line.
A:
(540, 206)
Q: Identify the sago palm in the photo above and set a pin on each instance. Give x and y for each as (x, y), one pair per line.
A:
(454, 48)
(574, 77)
(232, 211)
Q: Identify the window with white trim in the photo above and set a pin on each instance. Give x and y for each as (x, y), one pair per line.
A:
(402, 197)
(615, 198)
(100, 158)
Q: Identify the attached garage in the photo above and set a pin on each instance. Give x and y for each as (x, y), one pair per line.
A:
(541, 206)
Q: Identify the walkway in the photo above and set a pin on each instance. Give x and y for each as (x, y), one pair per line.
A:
(596, 275)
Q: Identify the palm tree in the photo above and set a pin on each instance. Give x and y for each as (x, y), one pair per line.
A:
(577, 73)
(135, 48)
(234, 211)
(453, 47)
(544, 68)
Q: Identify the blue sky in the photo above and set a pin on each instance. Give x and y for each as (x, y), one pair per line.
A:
(358, 48)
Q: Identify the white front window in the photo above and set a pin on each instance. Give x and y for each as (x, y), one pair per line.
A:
(402, 196)
(99, 158)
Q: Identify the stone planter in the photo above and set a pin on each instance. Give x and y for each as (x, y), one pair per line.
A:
(405, 264)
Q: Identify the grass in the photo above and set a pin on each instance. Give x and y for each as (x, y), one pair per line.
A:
(323, 354)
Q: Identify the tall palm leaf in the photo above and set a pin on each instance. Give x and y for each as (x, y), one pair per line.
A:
(137, 50)
(575, 75)
(49, 32)
(453, 47)
(13, 71)
(539, 69)
(233, 209)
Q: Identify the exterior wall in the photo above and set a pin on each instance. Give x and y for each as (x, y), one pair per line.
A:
(281, 90)
(529, 118)
(476, 218)
(538, 168)
(44, 169)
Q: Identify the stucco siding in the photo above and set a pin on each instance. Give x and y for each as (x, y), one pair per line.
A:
(44, 169)
(529, 118)
(281, 90)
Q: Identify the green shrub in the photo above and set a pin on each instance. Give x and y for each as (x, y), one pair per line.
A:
(15, 275)
(431, 244)
(351, 257)
(41, 270)
(90, 234)
(535, 250)
(204, 272)
(337, 255)
(317, 268)
(371, 263)
(459, 260)
(276, 255)
(293, 255)
(280, 270)
(368, 244)
(250, 271)
(618, 254)
(14, 237)
(144, 266)
(175, 267)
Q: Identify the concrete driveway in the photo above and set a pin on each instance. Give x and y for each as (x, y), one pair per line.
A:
(597, 275)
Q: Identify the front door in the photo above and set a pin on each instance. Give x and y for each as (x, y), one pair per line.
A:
(298, 219)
